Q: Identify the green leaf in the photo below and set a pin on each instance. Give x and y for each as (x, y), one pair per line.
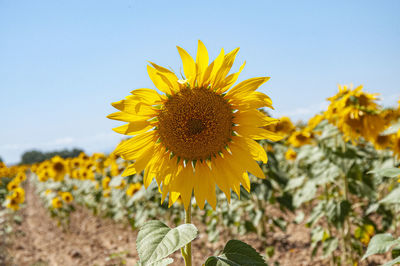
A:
(163, 262)
(392, 262)
(329, 246)
(388, 172)
(156, 240)
(304, 194)
(294, 183)
(380, 243)
(392, 198)
(236, 253)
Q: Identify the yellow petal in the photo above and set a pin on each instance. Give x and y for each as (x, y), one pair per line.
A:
(204, 186)
(158, 81)
(256, 150)
(130, 147)
(126, 117)
(140, 163)
(147, 96)
(216, 65)
(189, 66)
(173, 197)
(151, 171)
(183, 183)
(135, 107)
(220, 179)
(230, 80)
(134, 128)
(246, 181)
(225, 68)
(247, 86)
(241, 156)
(257, 133)
(173, 79)
(201, 62)
(253, 117)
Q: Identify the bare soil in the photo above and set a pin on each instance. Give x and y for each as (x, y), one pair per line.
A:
(92, 240)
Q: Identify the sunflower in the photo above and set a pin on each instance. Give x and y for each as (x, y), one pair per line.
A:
(67, 197)
(198, 134)
(314, 121)
(132, 189)
(356, 114)
(382, 142)
(56, 203)
(21, 176)
(290, 155)
(17, 196)
(283, 127)
(300, 138)
(106, 182)
(58, 167)
(13, 184)
(12, 204)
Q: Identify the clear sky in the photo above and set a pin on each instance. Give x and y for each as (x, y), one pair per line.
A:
(63, 62)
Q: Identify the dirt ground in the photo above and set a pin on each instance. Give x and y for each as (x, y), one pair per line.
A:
(91, 240)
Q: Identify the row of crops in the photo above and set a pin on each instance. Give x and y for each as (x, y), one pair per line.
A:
(338, 173)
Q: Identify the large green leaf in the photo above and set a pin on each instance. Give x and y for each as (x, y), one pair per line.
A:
(388, 172)
(380, 243)
(236, 253)
(392, 198)
(306, 193)
(156, 240)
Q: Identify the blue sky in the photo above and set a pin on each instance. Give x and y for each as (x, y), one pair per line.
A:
(63, 62)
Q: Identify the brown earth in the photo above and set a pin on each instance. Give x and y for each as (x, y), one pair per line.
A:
(91, 240)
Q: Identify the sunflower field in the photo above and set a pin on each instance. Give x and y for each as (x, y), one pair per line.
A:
(203, 161)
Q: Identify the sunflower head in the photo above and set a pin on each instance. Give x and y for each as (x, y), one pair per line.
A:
(67, 197)
(300, 138)
(56, 203)
(132, 189)
(356, 114)
(290, 155)
(199, 133)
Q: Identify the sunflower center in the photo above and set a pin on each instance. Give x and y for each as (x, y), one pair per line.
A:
(58, 167)
(195, 126)
(195, 123)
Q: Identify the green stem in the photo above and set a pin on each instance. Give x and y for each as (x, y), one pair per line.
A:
(187, 250)
(346, 225)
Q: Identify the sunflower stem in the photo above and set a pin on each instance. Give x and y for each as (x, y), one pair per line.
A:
(187, 250)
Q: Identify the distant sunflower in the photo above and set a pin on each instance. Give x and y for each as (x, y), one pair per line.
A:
(300, 138)
(290, 155)
(67, 197)
(382, 142)
(284, 127)
(396, 144)
(58, 167)
(356, 114)
(198, 134)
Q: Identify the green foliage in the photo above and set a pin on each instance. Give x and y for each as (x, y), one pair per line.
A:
(155, 241)
(381, 243)
(388, 172)
(236, 253)
(34, 156)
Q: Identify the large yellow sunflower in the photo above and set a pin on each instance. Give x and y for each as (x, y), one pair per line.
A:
(199, 133)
